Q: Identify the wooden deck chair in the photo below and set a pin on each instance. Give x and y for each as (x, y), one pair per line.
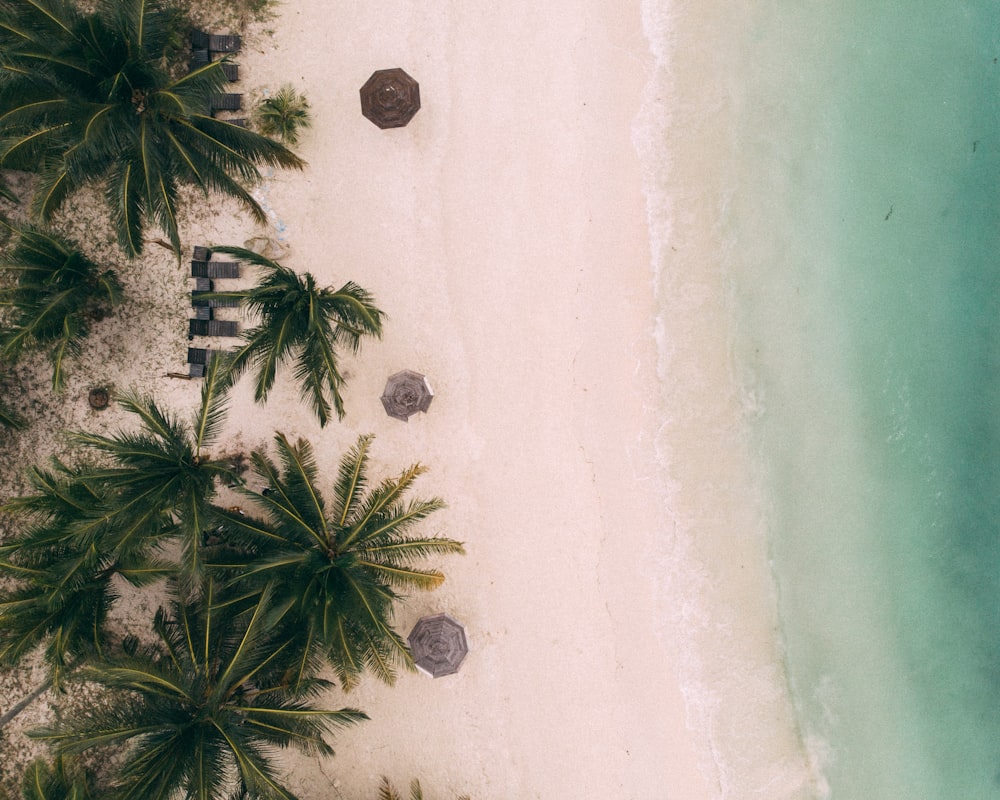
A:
(231, 70)
(199, 355)
(227, 101)
(222, 43)
(223, 269)
(213, 327)
(199, 58)
(199, 301)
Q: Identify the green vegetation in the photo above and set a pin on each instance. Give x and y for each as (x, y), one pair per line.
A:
(55, 294)
(86, 525)
(254, 605)
(283, 114)
(260, 603)
(204, 706)
(305, 324)
(103, 98)
(337, 565)
(160, 476)
(60, 780)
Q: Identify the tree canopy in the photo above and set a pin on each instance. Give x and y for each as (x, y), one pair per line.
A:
(104, 97)
(305, 324)
(56, 293)
(339, 564)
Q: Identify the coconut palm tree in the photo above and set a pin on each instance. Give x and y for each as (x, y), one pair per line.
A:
(203, 709)
(305, 324)
(386, 791)
(163, 471)
(61, 779)
(337, 564)
(68, 545)
(56, 293)
(283, 114)
(103, 97)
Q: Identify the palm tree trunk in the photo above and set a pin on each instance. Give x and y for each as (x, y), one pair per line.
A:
(37, 692)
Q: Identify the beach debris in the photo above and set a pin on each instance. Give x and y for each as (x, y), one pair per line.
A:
(267, 247)
(438, 645)
(406, 392)
(162, 243)
(390, 98)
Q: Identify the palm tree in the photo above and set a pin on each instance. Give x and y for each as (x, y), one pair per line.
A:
(101, 98)
(203, 708)
(283, 113)
(86, 525)
(339, 564)
(61, 564)
(303, 323)
(56, 295)
(60, 780)
(161, 477)
(386, 791)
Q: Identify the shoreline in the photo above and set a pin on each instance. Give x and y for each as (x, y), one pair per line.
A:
(721, 596)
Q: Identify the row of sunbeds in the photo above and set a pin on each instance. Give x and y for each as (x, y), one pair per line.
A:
(205, 270)
(204, 46)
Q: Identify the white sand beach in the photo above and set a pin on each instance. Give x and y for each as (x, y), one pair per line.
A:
(615, 591)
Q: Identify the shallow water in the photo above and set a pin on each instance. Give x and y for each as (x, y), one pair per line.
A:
(862, 245)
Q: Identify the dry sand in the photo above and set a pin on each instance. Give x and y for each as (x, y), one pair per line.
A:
(504, 231)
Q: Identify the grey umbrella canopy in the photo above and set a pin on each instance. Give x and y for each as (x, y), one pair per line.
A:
(390, 98)
(438, 645)
(406, 393)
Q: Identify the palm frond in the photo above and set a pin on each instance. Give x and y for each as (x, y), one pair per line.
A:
(62, 779)
(339, 581)
(214, 395)
(351, 480)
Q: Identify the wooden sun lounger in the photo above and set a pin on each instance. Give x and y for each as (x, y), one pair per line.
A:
(229, 101)
(215, 269)
(221, 43)
(199, 355)
(203, 312)
(201, 253)
(197, 301)
(199, 58)
(199, 40)
(231, 70)
(213, 327)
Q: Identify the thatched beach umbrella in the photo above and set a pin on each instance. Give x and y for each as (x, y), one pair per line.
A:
(438, 645)
(390, 98)
(406, 393)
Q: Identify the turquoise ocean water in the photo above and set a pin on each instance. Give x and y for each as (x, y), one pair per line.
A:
(862, 243)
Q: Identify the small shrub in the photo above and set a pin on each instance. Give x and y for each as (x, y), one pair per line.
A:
(282, 115)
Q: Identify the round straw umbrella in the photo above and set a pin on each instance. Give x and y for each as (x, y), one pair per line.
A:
(438, 645)
(406, 393)
(390, 98)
